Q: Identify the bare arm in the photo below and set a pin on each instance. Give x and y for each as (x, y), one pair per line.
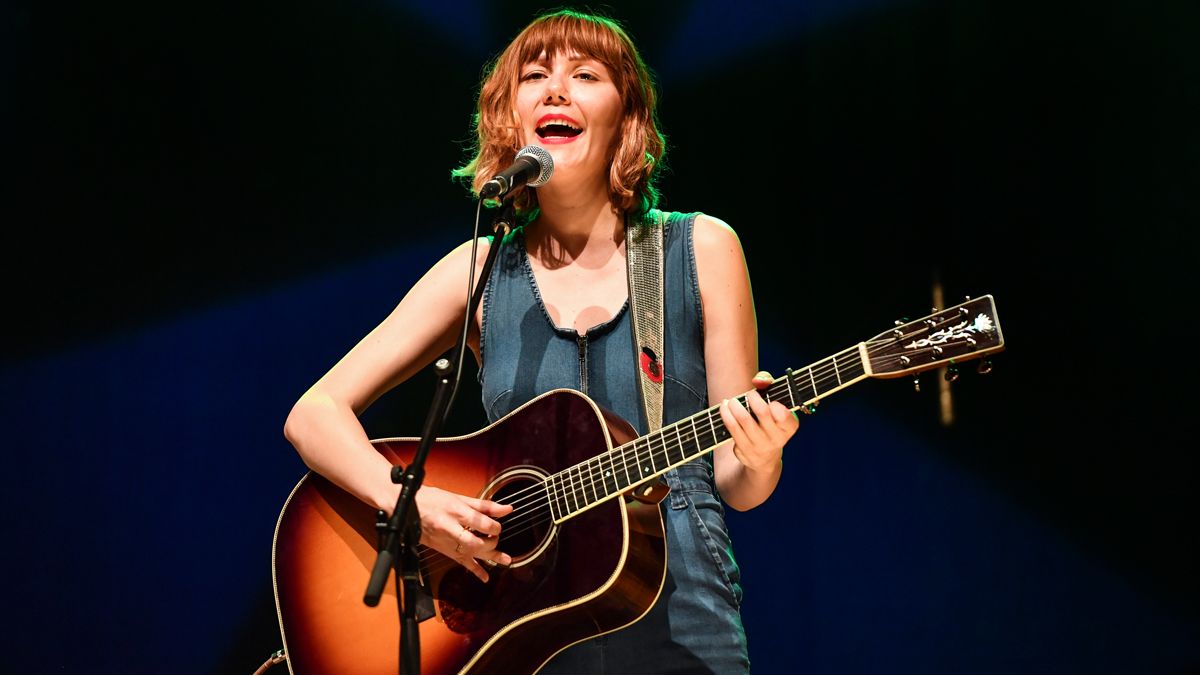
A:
(325, 429)
(747, 468)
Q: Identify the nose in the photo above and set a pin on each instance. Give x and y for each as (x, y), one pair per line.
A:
(556, 92)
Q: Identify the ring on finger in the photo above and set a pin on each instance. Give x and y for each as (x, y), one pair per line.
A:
(467, 531)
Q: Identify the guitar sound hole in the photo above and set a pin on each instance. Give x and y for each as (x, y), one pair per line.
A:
(465, 602)
(526, 531)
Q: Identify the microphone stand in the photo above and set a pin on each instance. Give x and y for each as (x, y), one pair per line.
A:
(399, 536)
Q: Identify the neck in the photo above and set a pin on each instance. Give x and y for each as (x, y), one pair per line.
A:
(571, 225)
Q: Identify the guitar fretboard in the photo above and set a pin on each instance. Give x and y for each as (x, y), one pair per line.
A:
(580, 487)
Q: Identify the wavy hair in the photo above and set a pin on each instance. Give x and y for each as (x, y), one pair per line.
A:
(639, 148)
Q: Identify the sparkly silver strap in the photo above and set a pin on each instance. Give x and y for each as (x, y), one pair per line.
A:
(644, 255)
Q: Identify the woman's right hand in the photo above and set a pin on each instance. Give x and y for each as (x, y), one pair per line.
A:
(462, 528)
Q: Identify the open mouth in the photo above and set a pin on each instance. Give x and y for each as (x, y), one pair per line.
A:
(558, 127)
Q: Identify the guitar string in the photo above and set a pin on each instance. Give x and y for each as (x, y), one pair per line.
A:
(817, 369)
(595, 477)
(594, 467)
(591, 473)
(529, 517)
(597, 483)
(775, 391)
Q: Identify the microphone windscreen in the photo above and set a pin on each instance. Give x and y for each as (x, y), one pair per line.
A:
(544, 160)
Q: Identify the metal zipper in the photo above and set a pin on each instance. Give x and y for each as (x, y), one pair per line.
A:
(581, 340)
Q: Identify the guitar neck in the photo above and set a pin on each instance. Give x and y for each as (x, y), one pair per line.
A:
(580, 487)
(969, 330)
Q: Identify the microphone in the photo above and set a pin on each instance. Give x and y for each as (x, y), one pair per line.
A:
(532, 167)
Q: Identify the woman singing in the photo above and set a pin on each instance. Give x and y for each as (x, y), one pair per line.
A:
(555, 315)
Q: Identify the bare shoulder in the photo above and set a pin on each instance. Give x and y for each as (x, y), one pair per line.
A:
(718, 249)
(711, 231)
(446, 274)
(460, 256)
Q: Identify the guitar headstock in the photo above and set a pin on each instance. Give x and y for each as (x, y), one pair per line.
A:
(966, 331)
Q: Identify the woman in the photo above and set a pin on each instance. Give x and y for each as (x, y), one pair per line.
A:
(555, 315)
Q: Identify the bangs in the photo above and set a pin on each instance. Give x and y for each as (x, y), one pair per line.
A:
(573, 34)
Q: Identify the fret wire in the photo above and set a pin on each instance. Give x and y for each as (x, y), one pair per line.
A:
(670, 457)
(629, 482)
(583, 496)
(666, 448)
(547, 486)
(589, 482)
(598, 479)
(713, 427)
(684, 449)
(561, 495)
(679, 438)
(567, 493)
(650, 453)
(791, 394)
(597, 474)
(575, 491)
(610, 476)
(610, 484)
(655, 451)
(553, 489)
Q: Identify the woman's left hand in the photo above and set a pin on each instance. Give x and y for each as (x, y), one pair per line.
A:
(758, 443)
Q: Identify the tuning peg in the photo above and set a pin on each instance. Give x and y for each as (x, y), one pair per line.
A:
(917, 383)
(985, 367)
(951, 373)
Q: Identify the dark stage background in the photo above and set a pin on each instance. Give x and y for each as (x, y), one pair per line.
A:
(208, 203)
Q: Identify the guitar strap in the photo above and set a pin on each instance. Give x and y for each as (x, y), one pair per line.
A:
(644, 257)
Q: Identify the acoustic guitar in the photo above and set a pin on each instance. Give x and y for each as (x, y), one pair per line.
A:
(586, 533)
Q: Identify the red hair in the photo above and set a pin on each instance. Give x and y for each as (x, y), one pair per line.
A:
(639, 147)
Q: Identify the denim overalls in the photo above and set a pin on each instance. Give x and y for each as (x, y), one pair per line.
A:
(695, 627)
